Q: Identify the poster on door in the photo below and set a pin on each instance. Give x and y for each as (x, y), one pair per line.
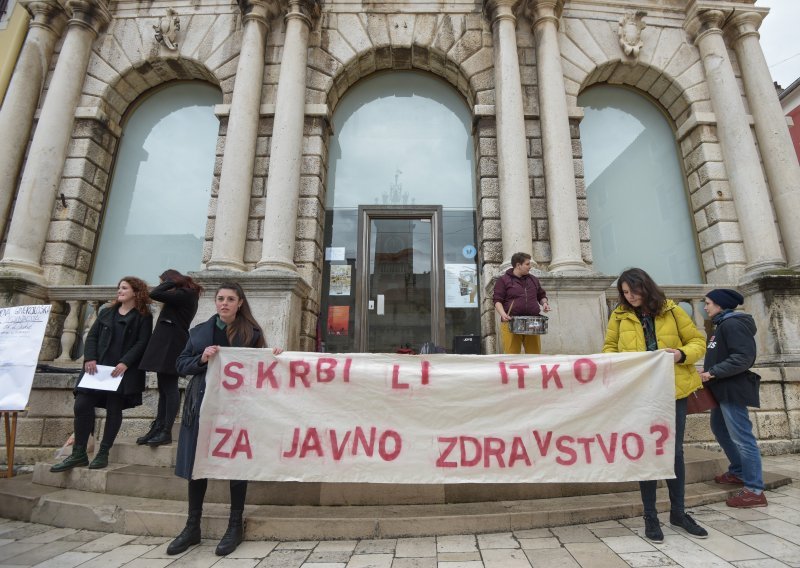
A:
(460, 286)
(340, 280)
(21, 333)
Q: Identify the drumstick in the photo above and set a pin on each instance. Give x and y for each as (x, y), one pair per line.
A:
(511, 307)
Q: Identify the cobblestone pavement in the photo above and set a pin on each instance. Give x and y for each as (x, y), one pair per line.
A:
(750, 538)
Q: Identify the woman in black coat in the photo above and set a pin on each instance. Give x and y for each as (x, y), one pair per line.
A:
(117, 339)
(180, 295)
(232, 326)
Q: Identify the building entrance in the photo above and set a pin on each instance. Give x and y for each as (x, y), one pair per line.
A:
(399, 296)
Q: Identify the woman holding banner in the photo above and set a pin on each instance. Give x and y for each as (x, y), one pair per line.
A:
(645, 320)
(180, 295)
(232, 326)
(117, 339)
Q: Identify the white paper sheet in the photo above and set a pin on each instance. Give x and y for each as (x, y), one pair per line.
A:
(101, 380)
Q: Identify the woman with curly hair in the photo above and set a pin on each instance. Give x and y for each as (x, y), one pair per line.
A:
(180, 295)
(117, 339)
(645, 320)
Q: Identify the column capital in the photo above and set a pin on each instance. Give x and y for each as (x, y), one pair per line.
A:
(260, 10)
(541, 11)
(744, 24)
(307, 11)
(497, 10)
(47, 14)
(90, 14)
(706, 16)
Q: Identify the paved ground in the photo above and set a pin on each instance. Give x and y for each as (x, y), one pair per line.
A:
(755, 538)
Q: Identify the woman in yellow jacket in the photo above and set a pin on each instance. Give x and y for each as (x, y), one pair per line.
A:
(646, 320)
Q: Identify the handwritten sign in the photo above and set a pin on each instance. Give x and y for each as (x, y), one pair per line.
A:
(437, 418)
(21, 334)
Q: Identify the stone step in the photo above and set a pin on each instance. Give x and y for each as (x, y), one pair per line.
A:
(127, 451)
(155, 482)
(163, 517)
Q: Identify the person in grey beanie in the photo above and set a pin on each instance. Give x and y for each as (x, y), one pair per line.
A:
(730, 353)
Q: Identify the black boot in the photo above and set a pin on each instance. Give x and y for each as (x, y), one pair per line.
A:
(100, 458)
(78, 457)
(233, 536)
(155, 428)
(161, 438)
(189, 535)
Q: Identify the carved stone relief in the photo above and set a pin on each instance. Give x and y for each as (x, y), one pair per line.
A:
(167, 30)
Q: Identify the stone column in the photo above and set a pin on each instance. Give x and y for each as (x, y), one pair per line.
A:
(749, 188)
(40, 180)
(236, 177)
(512, 157)
(774, 141)
(16, 115)
(286, 154)
(559, 172)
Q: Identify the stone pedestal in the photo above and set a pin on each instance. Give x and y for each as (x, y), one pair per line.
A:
(774, 301)
(275, 298)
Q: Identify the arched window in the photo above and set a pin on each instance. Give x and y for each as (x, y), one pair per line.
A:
(400, 234)
(639, 214)
(156, 212)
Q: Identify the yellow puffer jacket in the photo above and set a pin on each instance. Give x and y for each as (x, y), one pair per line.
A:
(674, 329)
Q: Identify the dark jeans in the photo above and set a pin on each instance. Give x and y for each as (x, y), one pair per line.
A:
(169, 400)
(197, 494)
(85, 403)
(677, 486)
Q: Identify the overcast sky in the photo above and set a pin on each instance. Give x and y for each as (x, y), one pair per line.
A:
(780, 39)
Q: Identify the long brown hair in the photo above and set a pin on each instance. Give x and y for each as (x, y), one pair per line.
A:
(181, 280)
(141, 297)
(640, 282)
(242, 329)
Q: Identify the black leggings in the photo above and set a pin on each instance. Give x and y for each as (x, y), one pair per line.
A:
(169, 400)
(197, 494)
(85, 403)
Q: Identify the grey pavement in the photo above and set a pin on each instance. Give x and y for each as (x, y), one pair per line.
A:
(766, 537)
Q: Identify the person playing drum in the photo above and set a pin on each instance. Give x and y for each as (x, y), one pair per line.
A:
(519, 293)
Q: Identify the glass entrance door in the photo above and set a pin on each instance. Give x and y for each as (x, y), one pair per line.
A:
(399, 297)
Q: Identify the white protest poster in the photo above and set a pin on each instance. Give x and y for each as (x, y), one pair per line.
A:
(21, 334)
(385, 418)
(460, 286)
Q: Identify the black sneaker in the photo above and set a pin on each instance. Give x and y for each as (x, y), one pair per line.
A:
(688, 525)
(652, 529)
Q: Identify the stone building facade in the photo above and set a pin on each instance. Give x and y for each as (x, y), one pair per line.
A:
(520, 69)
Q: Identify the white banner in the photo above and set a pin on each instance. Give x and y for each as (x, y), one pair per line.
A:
(437, 418)
(21, 334)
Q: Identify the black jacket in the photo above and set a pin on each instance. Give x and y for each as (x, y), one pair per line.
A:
(136, 334)
(189, 363)
(730, 353)
(172, 328)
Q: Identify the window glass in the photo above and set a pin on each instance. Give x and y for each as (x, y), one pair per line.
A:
(639, 213)
(156, 212)
(400, 138)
